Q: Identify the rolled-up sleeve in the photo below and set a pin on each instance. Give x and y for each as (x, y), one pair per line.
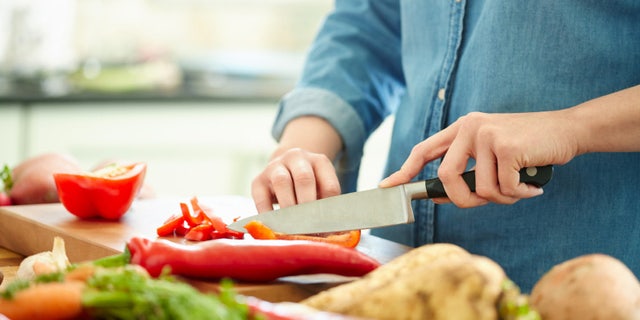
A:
(352, 78)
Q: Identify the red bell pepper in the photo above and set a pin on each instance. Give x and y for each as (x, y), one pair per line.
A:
(106, 193)
(349, 239)
(248, 260)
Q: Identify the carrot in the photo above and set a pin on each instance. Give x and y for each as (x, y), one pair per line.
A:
(81, 273)
(53, 300)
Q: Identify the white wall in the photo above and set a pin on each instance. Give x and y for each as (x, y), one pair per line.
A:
(190, 148)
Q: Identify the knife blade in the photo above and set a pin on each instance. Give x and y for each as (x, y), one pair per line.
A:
(368, 209)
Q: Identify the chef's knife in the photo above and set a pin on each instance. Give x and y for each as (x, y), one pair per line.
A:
(368, 209)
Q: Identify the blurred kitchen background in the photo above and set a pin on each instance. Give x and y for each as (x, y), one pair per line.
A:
(189, 86)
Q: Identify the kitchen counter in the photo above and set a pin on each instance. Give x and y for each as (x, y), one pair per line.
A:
(190, 88)
(28, 98)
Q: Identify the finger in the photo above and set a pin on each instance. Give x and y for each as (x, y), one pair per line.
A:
(487, 186)
(282, 185)
(510, 185)
(440, 200)
(262, 195)
(326, 178)
(450, 172)
(486, 176)
(422, 153)
(304, 180)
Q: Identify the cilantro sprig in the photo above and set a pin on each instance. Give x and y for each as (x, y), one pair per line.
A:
(5, 177)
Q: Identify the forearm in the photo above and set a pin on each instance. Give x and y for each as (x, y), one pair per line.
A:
(310, 133)
(609, 123)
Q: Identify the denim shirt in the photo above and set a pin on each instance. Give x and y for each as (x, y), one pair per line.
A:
(429, 62)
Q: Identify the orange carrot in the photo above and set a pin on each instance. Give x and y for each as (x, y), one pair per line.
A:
(81, 273)
(54, 300)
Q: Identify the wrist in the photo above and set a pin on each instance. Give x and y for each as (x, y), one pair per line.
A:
(312, 134)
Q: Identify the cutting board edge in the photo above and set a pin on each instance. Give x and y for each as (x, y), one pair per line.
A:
(14, 229)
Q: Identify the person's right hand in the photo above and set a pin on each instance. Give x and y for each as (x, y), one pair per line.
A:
(294, 176)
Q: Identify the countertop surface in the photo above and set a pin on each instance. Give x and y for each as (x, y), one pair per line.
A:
(193, 88)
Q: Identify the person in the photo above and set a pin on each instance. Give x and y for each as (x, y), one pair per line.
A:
(491, 85)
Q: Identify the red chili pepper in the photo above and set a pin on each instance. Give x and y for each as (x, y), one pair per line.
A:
(106, 193)
(349, 239)
(248, 260)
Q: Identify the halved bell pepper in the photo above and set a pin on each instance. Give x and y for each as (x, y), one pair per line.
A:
(258, 230)
(105, 193)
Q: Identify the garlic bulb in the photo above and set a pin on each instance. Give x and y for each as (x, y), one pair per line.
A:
(44, 262)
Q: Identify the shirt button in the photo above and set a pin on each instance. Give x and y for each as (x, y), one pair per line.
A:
(441, 93)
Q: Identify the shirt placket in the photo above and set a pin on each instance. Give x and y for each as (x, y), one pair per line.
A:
(439, 105)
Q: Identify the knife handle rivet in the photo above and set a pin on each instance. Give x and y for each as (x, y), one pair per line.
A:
(532, 171)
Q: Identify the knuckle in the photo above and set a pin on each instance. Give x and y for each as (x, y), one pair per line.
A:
(280, 178)
(257, 183)
(304, 177)
(330, 189)
(484, 192)
(445, 174)
(319, 157)
(509, 191)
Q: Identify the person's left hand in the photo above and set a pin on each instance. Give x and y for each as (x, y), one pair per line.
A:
(501, 144)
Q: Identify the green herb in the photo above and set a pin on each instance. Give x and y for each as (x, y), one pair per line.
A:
(514, 305)
(128, 294)
(117, 260)
(20, 284)
(14, 287)
(5, 177)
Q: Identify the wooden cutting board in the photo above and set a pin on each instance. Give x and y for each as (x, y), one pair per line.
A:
(30, 229)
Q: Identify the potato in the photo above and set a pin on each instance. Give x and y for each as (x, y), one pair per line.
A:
(338, 298)
(437, 281)
(33, 178)
(594, 286)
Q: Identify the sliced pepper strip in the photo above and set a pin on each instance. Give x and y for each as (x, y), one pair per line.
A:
(258, 230)
(169, 227)
(191, 220)
(197, 224)
(216, 221)
(199, 233)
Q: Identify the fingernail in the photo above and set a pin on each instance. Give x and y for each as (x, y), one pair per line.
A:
(538, 191)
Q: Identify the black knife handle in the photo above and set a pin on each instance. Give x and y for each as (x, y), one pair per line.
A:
(536, 176)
